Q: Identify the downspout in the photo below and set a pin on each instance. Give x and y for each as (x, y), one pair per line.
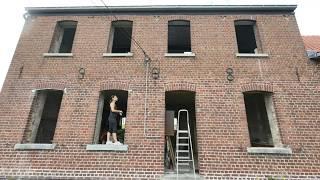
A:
(26, 15)
(147, 61)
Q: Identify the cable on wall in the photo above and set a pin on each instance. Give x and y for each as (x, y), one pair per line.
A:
(147, 62)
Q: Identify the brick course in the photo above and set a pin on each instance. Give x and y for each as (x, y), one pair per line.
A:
(222, 131)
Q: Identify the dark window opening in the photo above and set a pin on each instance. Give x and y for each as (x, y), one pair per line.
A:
(43, 117)
(103, 113)
(246, 38)
(175, 101)
(67, 40)
(49, 117)
(120, 37)
(62, 41)
(179, 38)
(258, 122)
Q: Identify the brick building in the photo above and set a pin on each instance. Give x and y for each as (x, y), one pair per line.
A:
(252, 94)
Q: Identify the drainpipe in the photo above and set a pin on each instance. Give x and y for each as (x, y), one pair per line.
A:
(26, 15)
(145, 133)
(147, 61)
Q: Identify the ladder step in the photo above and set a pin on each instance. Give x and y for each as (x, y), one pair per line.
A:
(181, 144)
(183, 157)
(178, 150)
(183, 137)
(182, 131)
(184, 160)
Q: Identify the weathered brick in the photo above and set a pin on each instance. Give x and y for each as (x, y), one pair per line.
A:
(222, 131)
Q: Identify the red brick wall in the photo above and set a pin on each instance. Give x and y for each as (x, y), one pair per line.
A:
(222, 131)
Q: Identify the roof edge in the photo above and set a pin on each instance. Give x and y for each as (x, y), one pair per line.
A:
(161, 8)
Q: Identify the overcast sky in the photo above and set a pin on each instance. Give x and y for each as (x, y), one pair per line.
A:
(11, 17)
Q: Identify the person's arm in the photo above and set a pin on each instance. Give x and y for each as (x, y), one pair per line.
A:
(112, 105)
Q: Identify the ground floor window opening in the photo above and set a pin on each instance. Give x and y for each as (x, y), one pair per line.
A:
(259, 116)
(176, 101)
(102, 125)
(43, 116)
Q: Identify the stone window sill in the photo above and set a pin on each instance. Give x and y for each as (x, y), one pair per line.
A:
(34, 146)
(185, 54)
(252, 55)
(129, 54)
(269, 150)
(57, 54)
(105, 147)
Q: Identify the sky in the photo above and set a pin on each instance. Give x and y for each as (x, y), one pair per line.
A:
(11, 17)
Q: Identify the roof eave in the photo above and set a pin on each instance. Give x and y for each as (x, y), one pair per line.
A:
(162, 8)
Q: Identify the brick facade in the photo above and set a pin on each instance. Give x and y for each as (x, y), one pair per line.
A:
(222, 131)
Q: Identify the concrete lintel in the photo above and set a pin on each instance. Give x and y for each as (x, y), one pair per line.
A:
(105, 147)
(186, 54)
(57, 54)
(34, 146)
(269, 150)
(129, 54)
(252, 55)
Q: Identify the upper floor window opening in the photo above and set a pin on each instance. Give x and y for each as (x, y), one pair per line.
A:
(179, 38)
(120, 37)
(63, 37)
(247, 37)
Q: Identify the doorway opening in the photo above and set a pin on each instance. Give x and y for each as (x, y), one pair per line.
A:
(175, 101)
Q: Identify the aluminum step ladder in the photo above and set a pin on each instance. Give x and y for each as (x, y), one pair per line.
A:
(184, 151)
